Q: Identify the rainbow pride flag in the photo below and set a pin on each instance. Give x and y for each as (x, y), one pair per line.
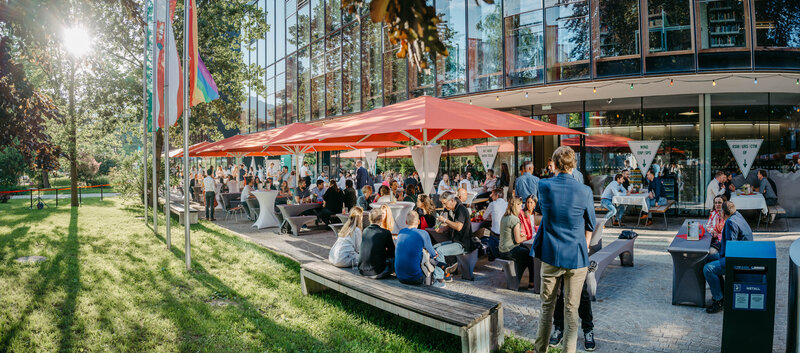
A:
(202, 88)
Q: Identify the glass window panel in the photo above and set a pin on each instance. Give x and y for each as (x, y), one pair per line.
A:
(303, 25)
(291, 36)
(421, 82)
(451, 70)
(738, 116)
(669, 24)
(524, 50)
(280, 99)
(317, 19)
(271, 33)
(515, 7)
(258, 87)
(776, 23)
(351, 68)
(291, 89)
(318, 80)
(333, 76)
(304, 85)
(567, 34)
(785, 137)
(485, 46)
(270, 104)
(721, 23)
(347, 16)
(618, 38)
(371, 65)
(333, 13)
(395, 73)
(280, 30)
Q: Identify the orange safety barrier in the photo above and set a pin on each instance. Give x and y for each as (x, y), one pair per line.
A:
(54, 189)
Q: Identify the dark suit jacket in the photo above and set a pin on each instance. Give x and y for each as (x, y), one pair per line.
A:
(567, 213)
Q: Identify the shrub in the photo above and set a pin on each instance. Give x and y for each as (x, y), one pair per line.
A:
(12, 166)
(126, 177)
(87, 168)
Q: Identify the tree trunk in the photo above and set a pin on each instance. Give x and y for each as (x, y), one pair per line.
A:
(45, 179)
(73, 132)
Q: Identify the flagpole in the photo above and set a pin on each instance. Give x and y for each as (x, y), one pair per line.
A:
(167, 52)
(154, 116)
(144, 118)
(186, 112)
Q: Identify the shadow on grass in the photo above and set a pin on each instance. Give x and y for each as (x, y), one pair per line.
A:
(62, 271)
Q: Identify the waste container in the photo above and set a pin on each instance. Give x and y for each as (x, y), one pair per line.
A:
(749, 319)
(793, 328)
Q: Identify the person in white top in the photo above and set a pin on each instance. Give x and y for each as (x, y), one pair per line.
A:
(247, 194)
(493, 213)
(305, 173)
(715, 187)
(444, 184)
(345, 251)
(271, 172)
(209, 186)
(342, 180)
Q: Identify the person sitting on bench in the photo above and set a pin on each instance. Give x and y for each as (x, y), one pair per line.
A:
(614, 188)
(366, 198)
(765, 187)
(657, 196)
(735, 229)
(493, 214)
(377, 247)
(333, 202)
(414, 256)
(302, 194)
(512, 237)
(246, 194)
(458, 225)
(344, 252)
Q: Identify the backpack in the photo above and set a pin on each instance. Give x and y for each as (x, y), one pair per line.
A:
(774, 188)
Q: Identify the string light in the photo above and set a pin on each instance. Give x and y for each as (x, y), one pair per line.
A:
(797, 81)
(526, 94)
(670, 82)
(713, 82)
(594, 90)
(559, 92)
(755, 81)
(631, 86)
(497, 98)
(470, 102)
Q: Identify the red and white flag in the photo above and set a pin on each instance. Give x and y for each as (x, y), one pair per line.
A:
(170, 87)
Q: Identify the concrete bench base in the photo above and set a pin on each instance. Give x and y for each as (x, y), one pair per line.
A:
(622, 248)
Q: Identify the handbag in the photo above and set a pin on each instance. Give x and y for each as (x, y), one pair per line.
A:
(628, 234)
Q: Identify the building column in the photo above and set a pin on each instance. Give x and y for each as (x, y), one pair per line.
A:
(704, 107)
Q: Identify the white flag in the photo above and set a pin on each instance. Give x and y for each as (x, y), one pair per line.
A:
(174, 87)
(487, 155)
(644, 152)
(371, 159)
(426, 161)
(745, 152)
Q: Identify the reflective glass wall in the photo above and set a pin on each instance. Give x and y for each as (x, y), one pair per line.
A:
(317, 61)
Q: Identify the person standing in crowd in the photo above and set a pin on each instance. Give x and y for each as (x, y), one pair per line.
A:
(561, 243)
(527, 184)
(458, 224)
(366, 198)
(504, 179)
(377, 248)
(284, 174)
(344, 252)
(715, 188)
(614, 188)
(735, 229)
(242, 173)
(305, 173)
(210, 187)
(341, 181)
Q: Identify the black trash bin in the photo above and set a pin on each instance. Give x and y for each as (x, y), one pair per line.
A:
(749, 319)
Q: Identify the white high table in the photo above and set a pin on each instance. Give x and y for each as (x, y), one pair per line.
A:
(750, 202)
(632, 199)
(399, 211)
(266, 206)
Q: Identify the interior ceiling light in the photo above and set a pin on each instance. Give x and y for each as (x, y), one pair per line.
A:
(691, 112)
(559, 92)
(670, 82)
(713, 82)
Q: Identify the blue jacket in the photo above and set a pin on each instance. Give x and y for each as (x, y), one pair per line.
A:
(526, 185)
(657, 187)
(567, 213)
(735, 229)
(362, 178)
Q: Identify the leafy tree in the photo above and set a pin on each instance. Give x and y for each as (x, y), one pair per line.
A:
(12, 165)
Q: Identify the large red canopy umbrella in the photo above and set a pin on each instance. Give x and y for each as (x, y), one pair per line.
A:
(505, 146)
(179, 152)
(426, 120)
(599, 141)
(221, 149)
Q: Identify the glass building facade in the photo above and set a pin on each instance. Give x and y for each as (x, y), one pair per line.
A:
(321, 62)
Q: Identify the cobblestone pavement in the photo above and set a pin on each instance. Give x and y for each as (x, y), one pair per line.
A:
(633, 311)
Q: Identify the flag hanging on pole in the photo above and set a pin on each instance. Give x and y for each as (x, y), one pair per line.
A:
(149, 64)
(202, 88)
(166, 46)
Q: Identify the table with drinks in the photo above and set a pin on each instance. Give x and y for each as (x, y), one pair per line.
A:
(748, 200)
(688, 258)
(399, 211)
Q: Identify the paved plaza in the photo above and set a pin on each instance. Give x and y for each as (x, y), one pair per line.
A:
(633, 311)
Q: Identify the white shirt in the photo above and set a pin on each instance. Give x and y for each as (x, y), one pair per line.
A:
(494, 212)
(208, 184)
(443, 186)
(341, 182)
(712, 191)
(304, 172)
(465, 184)
(246, 192)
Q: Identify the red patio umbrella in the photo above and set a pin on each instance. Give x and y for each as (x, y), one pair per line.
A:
(599, 141)
(179, 152)
(506, 146)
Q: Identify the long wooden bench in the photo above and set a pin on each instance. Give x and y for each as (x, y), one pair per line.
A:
(622, 248)
(661, 209)
(478, 321)
(772, 213)
(177, 209)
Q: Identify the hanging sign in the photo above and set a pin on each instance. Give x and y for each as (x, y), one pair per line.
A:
(371, 159)
(644, 152)
(426, 161)
(487, 154)
(745, 152)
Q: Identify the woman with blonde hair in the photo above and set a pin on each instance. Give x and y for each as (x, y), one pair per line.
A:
(511, 239)
(344, 253)
(387, 221)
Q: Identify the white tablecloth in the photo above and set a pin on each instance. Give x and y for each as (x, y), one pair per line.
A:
(266, 209)
(399, 211)
(634, 199)
(750, 202)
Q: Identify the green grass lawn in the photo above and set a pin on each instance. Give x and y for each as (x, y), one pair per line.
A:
(109, 284)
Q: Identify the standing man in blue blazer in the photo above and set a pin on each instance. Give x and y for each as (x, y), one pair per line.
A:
(561, 243)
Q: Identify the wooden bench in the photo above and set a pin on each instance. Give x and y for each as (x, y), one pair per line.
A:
(772, 213)
(620, 247)
(178, 210)
(292, 218)
(661, 209)
(478, 321)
